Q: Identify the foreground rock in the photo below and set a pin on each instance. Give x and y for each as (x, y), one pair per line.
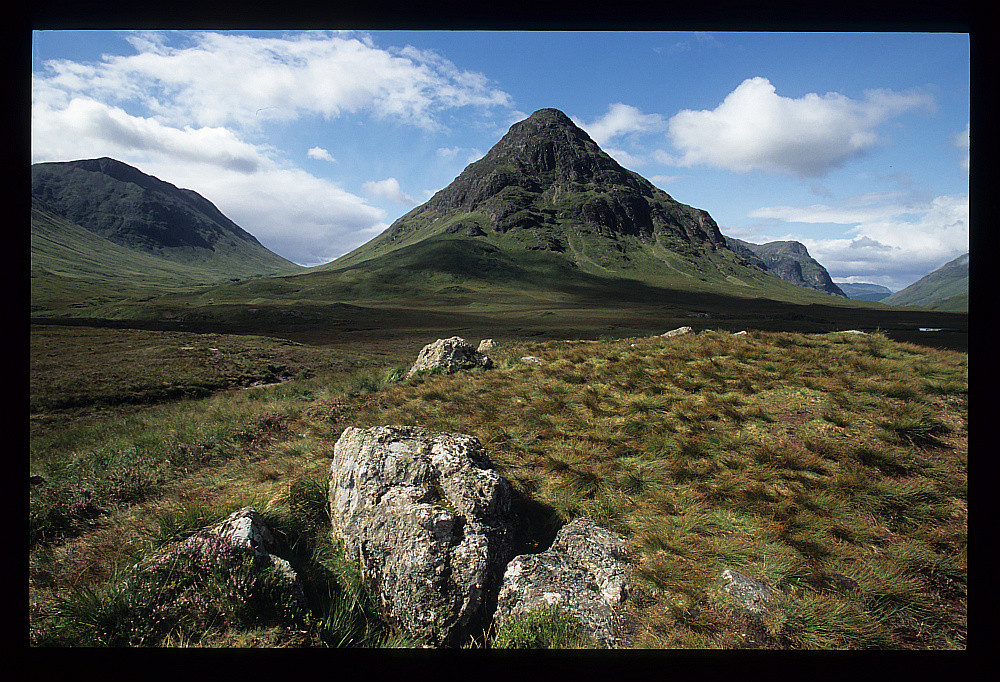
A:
(429, 520)
(749, 593)
(583, 573)
(449, 355)
(680, 331)
(486, 345)
(246, 530)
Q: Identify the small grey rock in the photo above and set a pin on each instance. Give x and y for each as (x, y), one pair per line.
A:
(680, 331)
(751, 594)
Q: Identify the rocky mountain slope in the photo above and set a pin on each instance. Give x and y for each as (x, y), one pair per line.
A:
(788, 260)
(947, 286)
(547, 207)
(145, 215)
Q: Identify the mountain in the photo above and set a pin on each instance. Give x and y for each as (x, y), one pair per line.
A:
(548, 207)
(947, 286)
(865, 292)
(138, 212)
(788, 260)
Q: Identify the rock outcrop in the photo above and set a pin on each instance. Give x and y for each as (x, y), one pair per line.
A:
(583, 573)
(680, 331)
(449, 355)
(246, 530)
(748, 593)
(429, 520)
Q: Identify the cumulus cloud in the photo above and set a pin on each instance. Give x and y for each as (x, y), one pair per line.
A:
(469, 154)
(754, 128)
(85, 127)
(227, 79)
(962, 142)
(320, 154)
(389, 189)
(621, 120)
(891, 242)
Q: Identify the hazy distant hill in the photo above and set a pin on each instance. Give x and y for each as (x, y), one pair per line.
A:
(946, 288)
(865, 292)
(788, 260)
(145, 215)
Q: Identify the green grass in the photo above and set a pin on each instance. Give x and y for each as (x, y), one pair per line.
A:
(811, 462)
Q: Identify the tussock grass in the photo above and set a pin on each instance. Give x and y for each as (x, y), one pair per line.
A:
(831, 467)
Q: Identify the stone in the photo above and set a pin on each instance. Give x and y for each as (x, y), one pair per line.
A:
(742, 333)
(853, 331)
(584, 574)
(451, 354)
(749, 593)
(680, 331)
(245, 529)
(429, 520)
(532, 359)
(486, 345)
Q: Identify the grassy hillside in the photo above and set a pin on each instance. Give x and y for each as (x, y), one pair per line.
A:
(832, 467)
(141, 213)
(950, 281)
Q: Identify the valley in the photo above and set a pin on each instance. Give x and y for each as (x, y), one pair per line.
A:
(180, 371)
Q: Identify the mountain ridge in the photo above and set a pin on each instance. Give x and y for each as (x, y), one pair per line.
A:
(140, 212)
(948, 286)
(789, 260)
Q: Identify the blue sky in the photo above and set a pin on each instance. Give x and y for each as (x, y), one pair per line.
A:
(856, 144)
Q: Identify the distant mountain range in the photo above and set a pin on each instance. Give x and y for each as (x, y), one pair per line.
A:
(94, 216)
(946, 288)
(865, 292)
(788, 260)
(545, 215)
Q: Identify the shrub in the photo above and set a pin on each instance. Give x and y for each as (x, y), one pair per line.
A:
(544, 628)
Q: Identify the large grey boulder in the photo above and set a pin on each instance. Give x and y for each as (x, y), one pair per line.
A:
(428, 518)
(450, 355)
(584, 573)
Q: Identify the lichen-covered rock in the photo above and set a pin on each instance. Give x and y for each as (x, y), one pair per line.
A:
(749, 593)
(246, 530)
(680, 331)
(532, 359)
(429, 520)
(486, 345)
(584, 573)
(450, 355)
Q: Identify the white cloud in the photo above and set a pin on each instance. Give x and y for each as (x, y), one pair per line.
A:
(664, 179)
(470, 153)
(320, 154)
(754, 128)
(962, 142)
(85, 127)
(620, 120)
(624, 158)
(227, 79)
(892, 243)
(389, 189)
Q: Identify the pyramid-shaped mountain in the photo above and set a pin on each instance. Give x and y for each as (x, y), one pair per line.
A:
(547, 199)
(144, 214)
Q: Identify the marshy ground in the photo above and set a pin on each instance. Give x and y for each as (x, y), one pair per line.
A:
(832, 467)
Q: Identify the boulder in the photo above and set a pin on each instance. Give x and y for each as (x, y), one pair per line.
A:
(486, 345)
(680, 331)
(749, 593)
(584, 573)
(450, 355)
(531, 359)
(742, 333)
(428, 518)
(245, 529)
